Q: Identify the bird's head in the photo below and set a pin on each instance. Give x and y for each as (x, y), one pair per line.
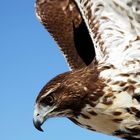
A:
(62, 96)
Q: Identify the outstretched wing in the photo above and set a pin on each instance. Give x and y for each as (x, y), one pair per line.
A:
(83, 28)
(65, 23)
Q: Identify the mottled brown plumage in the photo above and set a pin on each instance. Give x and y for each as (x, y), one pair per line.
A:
(102, 89)
(66, 25)
(60, 23)
(76, 89)
(72, 91)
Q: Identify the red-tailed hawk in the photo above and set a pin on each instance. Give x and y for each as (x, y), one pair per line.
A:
(101, 42)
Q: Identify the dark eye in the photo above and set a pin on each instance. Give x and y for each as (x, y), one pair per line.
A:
(49, 100)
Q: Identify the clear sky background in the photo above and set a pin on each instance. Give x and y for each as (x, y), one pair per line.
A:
(28, 59)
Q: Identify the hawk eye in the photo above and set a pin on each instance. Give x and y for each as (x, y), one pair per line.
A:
(49, 100)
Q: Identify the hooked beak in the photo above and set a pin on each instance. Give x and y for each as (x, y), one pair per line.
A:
(40, 116)
(37, 123)
(38, 120)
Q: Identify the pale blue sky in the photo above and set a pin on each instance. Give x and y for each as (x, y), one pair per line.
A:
(28, 59)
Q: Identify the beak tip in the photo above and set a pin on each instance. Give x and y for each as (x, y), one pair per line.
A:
(40, 129)
(37, 125)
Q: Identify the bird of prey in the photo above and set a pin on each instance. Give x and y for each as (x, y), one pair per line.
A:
(101, 43)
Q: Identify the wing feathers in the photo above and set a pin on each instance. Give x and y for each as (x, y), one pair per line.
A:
(59, 17)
